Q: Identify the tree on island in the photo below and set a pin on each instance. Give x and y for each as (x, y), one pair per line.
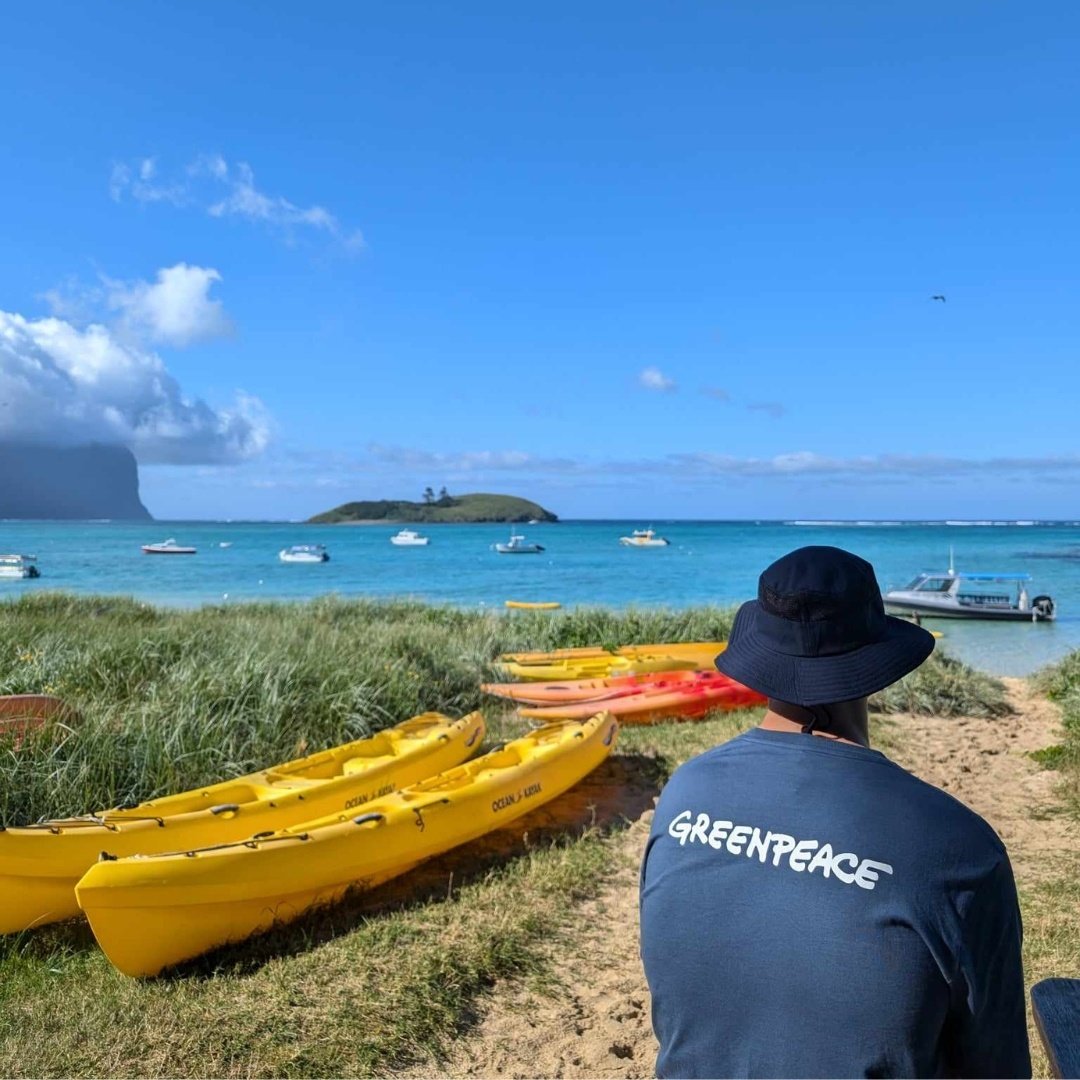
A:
(429, 496)
(445, 498)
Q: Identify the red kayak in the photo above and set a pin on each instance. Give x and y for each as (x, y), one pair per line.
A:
(555, 693)
(647, 706)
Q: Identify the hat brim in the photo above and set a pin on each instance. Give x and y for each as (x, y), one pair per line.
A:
(822, 680)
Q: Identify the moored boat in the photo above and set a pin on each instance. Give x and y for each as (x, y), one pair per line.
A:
(998, 597)
(518, 546)
(19, 566)
(40, 864)
(150, 912)
(643, 538)
(409, 538)
(168, 547)
(304, 553)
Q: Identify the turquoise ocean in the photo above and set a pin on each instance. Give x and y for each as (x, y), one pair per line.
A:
(583, 564)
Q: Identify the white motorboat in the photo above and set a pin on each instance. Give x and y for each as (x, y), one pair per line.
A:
(518, 546)
(167, 547)
(304, 553)
(18, 566)
(955, 595)
(408, 538)
(643, 538)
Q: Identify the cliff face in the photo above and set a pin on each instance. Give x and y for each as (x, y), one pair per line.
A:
(79, 482)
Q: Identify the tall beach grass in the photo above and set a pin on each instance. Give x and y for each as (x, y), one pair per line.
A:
(170, 700)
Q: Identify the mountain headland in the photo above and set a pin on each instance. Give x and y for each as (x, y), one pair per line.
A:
(447, 509)
(69, 483)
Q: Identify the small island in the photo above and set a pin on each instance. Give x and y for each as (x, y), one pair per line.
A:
(443, 508)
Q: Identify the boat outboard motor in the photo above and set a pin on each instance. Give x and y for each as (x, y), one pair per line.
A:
(1042, 607)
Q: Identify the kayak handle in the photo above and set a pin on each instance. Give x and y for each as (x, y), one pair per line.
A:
(610, 735)
(363, 819)
(472, 738)
(225, 808)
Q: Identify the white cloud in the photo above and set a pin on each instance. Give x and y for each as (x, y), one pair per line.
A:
(468, 460)
(60, 384)
(175, 310)
(223, 190)
(653, 378)
(138, 182)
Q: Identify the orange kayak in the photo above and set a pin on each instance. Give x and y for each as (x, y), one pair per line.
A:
(647, 706)
(556, 693)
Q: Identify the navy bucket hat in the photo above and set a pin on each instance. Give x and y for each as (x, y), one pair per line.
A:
(818, 633)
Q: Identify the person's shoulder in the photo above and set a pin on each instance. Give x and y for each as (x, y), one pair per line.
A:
(940, 814)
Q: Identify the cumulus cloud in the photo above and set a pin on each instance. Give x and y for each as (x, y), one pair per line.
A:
(652, 378)
(61, 384)
(176, 309)
(223, 189)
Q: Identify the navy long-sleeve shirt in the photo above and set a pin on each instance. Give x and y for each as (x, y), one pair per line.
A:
(808, 908)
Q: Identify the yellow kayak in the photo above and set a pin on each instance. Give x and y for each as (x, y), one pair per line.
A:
(630, 660)
(149, 912)
(40, 864)
(692, 649)
(531, 605)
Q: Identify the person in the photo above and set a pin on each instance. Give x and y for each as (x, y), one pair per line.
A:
(808, 908)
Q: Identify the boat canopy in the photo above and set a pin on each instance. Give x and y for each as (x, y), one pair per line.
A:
(995, 577)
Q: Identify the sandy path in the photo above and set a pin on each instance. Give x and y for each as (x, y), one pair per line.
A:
(596, 1022)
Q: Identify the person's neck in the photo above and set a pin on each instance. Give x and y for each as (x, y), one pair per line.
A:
(844, 721)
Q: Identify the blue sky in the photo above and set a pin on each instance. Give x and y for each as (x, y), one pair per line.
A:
(631, 260)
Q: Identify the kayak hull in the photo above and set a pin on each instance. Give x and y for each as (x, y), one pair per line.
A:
(41, 864)
(149, 913)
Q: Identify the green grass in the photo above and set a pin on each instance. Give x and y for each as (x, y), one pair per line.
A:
(1061, 682)
(944, 687)
(172, 699)
(175, 699)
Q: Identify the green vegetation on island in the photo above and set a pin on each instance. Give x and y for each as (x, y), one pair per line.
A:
(443, 508)
(173, 699)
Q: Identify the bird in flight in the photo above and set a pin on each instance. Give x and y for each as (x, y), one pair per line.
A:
(941, 298)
